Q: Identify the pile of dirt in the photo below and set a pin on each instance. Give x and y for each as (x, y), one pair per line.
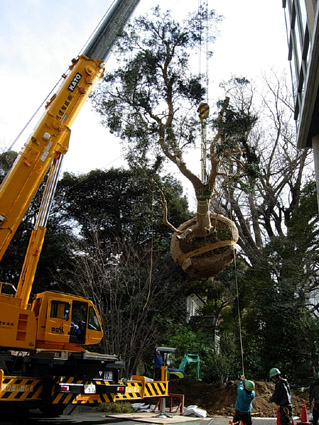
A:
(219, 400)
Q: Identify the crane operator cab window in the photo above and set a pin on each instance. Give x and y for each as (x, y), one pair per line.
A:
(78, 322)
(60, 310)
(93, 322)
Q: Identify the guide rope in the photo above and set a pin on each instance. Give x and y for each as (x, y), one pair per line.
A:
(150, 274)
(239, 319)
(238, 303)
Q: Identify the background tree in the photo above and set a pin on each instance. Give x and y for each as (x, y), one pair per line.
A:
(275, 230)
(53, 259)
(120, 258)
(117, 203)
(281, 286)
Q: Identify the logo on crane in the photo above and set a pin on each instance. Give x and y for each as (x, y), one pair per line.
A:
(59, 330)
(75, 81)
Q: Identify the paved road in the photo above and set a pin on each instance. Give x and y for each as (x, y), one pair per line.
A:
(89, 417)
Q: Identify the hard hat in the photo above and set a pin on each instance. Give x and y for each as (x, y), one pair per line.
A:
(273, 372)
(249, 385)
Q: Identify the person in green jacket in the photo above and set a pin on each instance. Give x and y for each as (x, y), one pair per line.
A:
(314, 400)
(243, 405)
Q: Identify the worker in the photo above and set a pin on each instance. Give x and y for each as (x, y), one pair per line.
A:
(314, 400)
(75, 329)
(281, 396)
(158, 363)
(243, 405)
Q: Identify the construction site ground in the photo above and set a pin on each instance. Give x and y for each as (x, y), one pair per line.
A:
(90, 417)
(219, 399)
(216, 399)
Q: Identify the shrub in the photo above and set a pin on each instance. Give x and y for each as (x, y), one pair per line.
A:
(119, 407)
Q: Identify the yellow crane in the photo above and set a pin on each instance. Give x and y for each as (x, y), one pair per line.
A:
(43, 359)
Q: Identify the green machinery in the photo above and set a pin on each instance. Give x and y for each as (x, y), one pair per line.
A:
(187, 360)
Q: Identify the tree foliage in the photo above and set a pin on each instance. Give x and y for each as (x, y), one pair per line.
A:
(148, 96)
(119, 204)
(120, 257)
(52, 259)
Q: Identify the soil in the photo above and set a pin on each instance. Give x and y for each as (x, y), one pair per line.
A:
(219, 400)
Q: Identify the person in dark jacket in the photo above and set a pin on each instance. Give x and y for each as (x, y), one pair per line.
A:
(281, 396)
(314, 400)
(243, 405)
(158, 363)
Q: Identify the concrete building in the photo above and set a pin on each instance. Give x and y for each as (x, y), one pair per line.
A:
(193, 305)
(302, 25)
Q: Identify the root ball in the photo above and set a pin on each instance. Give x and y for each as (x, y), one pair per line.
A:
(205, 257)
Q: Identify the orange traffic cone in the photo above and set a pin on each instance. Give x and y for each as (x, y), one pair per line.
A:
(304, 416)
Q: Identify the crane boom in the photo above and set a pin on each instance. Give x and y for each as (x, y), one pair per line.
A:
(43, 152)
(101, 44)
(51, 136)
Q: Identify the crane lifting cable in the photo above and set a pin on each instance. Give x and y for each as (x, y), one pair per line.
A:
(203, 112)
(203, 109)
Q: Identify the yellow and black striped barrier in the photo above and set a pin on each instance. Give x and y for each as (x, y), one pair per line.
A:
(67, 390)
(20, 389)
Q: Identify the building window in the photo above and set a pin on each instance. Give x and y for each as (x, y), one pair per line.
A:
(298, 48)
(303, 14)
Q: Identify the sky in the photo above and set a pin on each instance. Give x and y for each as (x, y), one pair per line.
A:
(38, 39)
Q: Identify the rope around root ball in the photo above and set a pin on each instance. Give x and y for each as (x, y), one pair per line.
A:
(204, 249)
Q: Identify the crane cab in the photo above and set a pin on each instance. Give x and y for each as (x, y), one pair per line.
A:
(65, 321)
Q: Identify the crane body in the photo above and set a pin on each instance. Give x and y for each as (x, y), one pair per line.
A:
(43, 357)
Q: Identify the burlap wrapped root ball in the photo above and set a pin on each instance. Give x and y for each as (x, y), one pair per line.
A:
(204, 257)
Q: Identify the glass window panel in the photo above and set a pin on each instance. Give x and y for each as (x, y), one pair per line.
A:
(93, 320)
(59, 310)
(302, 12)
